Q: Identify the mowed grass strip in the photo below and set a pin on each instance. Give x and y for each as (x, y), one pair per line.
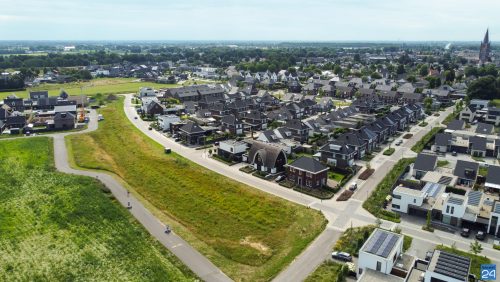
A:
(249, 234)
(61, 227)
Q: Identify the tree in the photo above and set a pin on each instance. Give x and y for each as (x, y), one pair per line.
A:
(475, 247)
(428, 220)
(376, 75)
(470, 71)
(400, 69)
(428, 103)
(467, 100)
(449, 75)
(424, 70)
(411, 79)
(484, 88)
(337, 70)
(433, 81)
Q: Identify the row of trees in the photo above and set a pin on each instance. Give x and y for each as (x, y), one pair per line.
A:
(13, 82)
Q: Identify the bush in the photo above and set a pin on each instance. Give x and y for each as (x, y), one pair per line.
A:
(450, 189)
(423, 124)
(376, 200)
(320, 193)
(365, 174)
(353, 239)
(389, 151)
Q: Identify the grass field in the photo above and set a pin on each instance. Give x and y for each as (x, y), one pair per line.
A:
(92, 87)
(60, 227)
(249, 234)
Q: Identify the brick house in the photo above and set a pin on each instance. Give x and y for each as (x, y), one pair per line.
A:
(307, 172)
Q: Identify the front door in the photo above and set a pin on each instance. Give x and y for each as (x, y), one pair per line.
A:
(299, 181)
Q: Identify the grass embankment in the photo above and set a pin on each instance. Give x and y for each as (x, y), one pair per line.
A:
(374, 204)
(476, 260)
(92, 87)
(61, 227)
(249, 234)
(329, 271)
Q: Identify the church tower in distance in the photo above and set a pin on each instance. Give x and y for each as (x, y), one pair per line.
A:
(484, 51)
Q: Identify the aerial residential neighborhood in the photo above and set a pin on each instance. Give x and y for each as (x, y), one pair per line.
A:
(249, 141)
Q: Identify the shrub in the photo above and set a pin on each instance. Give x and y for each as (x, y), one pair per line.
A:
(389, 151)
(450, 189)
(420, 145)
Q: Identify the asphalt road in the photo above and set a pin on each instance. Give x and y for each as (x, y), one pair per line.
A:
(200, 265)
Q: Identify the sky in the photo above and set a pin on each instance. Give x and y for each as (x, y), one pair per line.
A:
(274, 20)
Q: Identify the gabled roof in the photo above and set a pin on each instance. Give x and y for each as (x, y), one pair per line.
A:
(229, 119)
(351, 139)
(466, 169)
(295, 124)
(308, 164)
(484, 128)
(191, 128)
(478, 143)
(443, 139)
(493, 176)
(337, 147)
(425, 162)
(456, 125)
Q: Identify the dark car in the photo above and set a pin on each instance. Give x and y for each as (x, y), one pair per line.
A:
(465, 232)
(135, 117)
(150, 128)
(342, 256)
(454, 153)
(279, 178)
(177, 139)
(480, 235)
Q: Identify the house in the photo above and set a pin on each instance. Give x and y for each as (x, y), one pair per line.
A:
(404, 199)
(449, 267)
(165, 121)
(454, 208)
(256, 120)
(232, 150)
(35, 95)
(354, 141)
(268, 136)
(152, 107)
(267, 157)
(63, 120)
(146, 92)
(388, 97)
(232, 125)
(337, 154)
(468, 114)
(477, 146)
(300, 131)
(15, 121)
(380, 251)
(423, 164)
(456, 125)
(14, 103)
(466, 172)
(493, 178)
(192, 134)
(307, 172)
(493, 116)
(411, 98)
(484, 128)
(442, 142)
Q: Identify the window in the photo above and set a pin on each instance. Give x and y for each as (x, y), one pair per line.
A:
(379, 265)
(396, 207)
(452, 209)
(447, 209)
(414, 201)
(396, 196)
(308, 174)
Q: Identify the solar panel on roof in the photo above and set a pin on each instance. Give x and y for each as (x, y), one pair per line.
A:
(497, 208)
(474, 198)
(378, 242)
(387, 250)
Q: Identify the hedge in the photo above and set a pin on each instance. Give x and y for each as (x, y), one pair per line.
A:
(389, 151)
(420, 145)
(376, 200)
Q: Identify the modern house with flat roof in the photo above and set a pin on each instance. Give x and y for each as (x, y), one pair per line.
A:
(448, 267)
(380, 251)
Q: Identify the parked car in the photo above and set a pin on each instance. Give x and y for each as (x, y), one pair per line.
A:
(150, 128)
(342, 256)
(480, 235)
(135, 117)
(353, 186)
(465, 232)
(352, 269)
(177, 139)
(428, 255)
(454, 153)
(399, 142)
(280, 178)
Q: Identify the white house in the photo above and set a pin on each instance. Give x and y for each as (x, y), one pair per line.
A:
(402, 197)
(380, 251)
(165, 121)
(147, 92)
(448, 267)
(233, 147)
(454, 208)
